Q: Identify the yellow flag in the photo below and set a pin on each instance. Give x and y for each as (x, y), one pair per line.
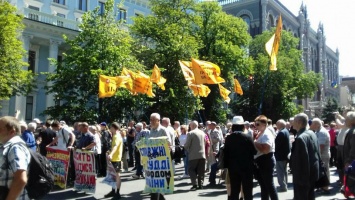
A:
(200, 90)
(272, 46)
(129, 82)
(186, 71)
(107, 86)
(142, 84)
(157, 78)
(206, 72)
(224, 93)
(237, 87)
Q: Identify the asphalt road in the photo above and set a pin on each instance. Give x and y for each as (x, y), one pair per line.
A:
(132, 189)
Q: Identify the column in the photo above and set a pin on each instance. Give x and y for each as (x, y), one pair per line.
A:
(53, 53)
(263, 15)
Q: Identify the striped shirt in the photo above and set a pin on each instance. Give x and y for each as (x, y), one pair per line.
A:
(18, 157)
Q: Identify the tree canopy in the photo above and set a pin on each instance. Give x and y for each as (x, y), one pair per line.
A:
(15, 78)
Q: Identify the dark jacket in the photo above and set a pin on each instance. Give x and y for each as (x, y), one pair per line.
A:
(305, 158)
(349, 146)
(282, 145)
(239, 151)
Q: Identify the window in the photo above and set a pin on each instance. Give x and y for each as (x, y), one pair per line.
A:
(29, 108)
(31, 61)
(60, 22)
(33, 15)
(122, 15)
(102, 7)
(59, 1)
(60, 61)
(246, 18)
(83, 5)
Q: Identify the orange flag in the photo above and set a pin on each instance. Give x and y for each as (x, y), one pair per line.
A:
(107, 86)
(157, 78)
(206, 72)
(272, 46)
(224, 93)
(186, 71)
(200, 90)
(237, 88)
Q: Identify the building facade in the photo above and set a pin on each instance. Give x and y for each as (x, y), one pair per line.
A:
(262, 15)
(46, 21)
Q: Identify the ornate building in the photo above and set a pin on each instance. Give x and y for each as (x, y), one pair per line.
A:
(262, 15)
(46, 21)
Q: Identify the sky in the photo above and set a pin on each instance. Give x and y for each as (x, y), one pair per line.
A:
(338, 22)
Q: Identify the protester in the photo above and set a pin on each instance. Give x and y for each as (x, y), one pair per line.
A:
(304, 160)
(15, 160)
(140, 134)
(115, 157)
(125, 148)
(349, 143)
(97, 149)
(265, 160)
(64, 137)
(282, 150)
(195, 146)
(182, 139)
(28, 136)
(87, 140)
(333, 149)
(131, 133)
(46, 137)
(105, 146)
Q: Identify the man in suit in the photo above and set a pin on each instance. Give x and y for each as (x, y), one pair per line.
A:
(195, 146)
(239, 154)
(304, 160)
(282, 149)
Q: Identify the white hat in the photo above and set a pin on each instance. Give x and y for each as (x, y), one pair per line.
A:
(238, 120)
(36, 120)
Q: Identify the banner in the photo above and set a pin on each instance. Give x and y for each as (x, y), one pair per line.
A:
(84, 162)
(111, 174)
(157, 165)
(59, 159)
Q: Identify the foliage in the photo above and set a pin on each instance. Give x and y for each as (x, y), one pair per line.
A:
(15, 79)
(163, 38)
(102, 47)
(328, 111)
(181, 30)
(278, 90)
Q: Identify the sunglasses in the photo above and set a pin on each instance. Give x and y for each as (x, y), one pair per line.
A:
(257, 124)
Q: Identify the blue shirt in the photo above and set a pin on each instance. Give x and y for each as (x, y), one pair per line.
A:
(29, 139)
(86, 140)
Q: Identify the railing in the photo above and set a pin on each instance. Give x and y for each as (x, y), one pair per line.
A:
(50, 19)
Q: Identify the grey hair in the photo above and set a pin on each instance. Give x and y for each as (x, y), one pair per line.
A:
(166, 119)
(318, 121)
(11, 123)
(351, 117)
(155, 115)
(93, 128)
(194, 124)
(32, 126)
(303, 118)
(282, 122)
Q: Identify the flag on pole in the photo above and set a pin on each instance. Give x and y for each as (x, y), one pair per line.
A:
(200, 90)
(206, 72)
(272, 46)
(157, 78)
(129, 83)
(224, 93)
(237, 87)
(186, 71)
(107, 86)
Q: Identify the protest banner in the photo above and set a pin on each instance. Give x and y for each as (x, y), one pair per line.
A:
(157, 165)
(110, 178)
(85, 180)
(59, 158)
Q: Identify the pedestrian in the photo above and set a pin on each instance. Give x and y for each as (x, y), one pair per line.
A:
(28, 136)
(282, 151)
(182, 139)
(195, 146)
(115, 157)
(125, 147)
(265, 159)
(131, 133)
(140, 134)
(239, 154)
(87, 140)
(304, 161)
(105, 146)
(333, 149)
(15, 160)
(46, 137)
(97, 149)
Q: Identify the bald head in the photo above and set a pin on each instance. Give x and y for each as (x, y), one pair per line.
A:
(193, 125)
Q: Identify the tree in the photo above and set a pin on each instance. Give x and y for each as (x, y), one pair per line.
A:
(103, 46)
(163, 38)
(277, 90)
(328, 111)
(224, 41)
(181, 30)
(15, 78)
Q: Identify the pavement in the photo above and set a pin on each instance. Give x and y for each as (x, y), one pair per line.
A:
(132, 190)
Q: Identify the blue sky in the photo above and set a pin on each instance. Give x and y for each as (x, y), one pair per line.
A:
(339, 27)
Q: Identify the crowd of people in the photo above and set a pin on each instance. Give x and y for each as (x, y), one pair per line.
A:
(239, 151)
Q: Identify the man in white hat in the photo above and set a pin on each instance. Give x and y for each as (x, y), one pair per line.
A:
(239, 154)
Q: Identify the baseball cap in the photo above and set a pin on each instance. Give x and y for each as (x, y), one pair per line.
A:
(103, 124)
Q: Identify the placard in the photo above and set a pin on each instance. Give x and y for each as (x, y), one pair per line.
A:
(85, 172)
(59, 159)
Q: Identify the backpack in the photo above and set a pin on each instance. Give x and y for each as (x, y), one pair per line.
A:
(40, 176)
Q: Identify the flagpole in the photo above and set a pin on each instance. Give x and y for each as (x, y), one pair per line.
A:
(263, 92)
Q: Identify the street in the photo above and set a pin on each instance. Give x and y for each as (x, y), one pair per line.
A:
(132, 189)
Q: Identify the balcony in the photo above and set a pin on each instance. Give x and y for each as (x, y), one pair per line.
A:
(50, 19)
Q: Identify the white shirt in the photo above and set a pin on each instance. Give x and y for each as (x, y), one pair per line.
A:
(266, 138)
(62, 142)
(324, 139)
(98, 143)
